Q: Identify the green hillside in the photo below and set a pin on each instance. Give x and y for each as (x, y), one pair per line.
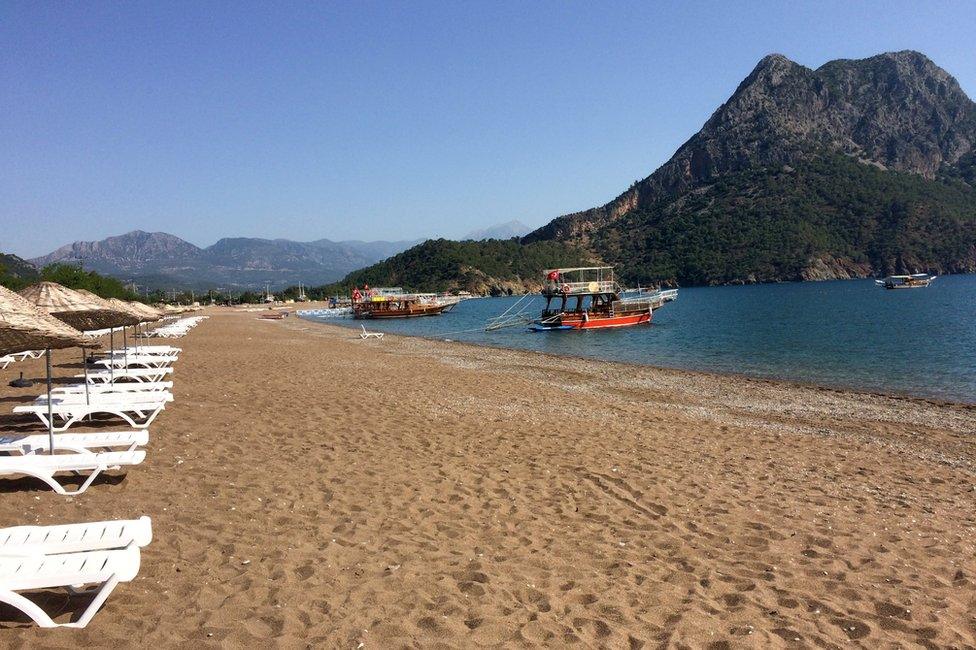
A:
(491, 266)
(16, 273)
(793, 222)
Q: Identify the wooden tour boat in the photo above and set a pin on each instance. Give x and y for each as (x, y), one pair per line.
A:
(914, 281)
(590, 298)
(392, 302)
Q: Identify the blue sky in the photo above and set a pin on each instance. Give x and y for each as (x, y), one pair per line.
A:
(383, 120)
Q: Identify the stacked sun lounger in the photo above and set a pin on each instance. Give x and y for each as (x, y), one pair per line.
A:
(177, 328)
(126, 384)
(99, 555)
(8, 359)
(133, 385)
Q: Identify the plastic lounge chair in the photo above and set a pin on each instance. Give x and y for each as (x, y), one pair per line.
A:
(370, 335)
(105, 389)
(138, 414)
(6, 361)
(45, 466)
(164, 350)
(76, 442)
(21, 541)
(137, 361)
(122, 375)
(114, 397)
(106, 569)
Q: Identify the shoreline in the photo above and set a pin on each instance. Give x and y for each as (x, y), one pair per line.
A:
(840, 388)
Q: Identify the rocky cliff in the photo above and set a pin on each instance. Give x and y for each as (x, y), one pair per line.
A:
(896, 113)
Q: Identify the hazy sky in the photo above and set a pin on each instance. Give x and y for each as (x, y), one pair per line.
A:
(383, 120)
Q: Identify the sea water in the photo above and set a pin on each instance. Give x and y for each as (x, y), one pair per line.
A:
(844, 334)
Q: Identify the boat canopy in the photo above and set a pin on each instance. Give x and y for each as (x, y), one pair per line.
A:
(913, 276)
(583, 280)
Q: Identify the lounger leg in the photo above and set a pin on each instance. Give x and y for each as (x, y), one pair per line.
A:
(43, 419)
(67, 424)
(28, 607)
(95, 604)
(57, 487)
(130, 420)
(152, 417)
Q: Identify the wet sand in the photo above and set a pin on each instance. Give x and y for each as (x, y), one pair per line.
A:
(310, 489)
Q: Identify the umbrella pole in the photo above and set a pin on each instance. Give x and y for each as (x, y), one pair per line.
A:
(84, 363)
(111, 358)
(50, 408)
(125, 348)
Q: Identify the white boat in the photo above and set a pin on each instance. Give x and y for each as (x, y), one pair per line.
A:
(914, 281)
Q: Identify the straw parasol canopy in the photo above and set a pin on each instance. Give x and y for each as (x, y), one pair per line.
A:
(123, 306)
(76, 309)
(24, 327)
(148, 312)
(122, 317)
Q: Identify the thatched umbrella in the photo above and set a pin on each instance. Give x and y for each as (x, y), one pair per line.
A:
(135, 318)
(119, 318)
(150, 315)
(74, 308)
(24, 327)
(81, 310)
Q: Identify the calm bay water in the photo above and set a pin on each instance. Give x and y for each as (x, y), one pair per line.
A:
(844, 333)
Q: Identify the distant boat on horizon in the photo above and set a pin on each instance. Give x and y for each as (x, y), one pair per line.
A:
(913, 281)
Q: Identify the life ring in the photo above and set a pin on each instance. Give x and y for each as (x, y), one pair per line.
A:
(566, 288)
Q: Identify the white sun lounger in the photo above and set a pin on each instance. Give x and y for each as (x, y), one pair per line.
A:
(122, 374)
(107, 398)
(370, 335)
(137, 361)
(28, 354)
(45, 466)
(76, 442)
(151, 350)
(21, 541)
(6, 361)
(138, 414)
(102, 389)
(103, 568)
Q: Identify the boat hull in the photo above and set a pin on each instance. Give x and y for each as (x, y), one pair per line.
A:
(906, 286)
(577, 322)
(416, 312)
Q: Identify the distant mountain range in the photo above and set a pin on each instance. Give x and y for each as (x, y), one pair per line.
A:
(161, 260)
(505, 230)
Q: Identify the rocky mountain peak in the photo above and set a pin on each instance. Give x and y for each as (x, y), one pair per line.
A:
(896, 111)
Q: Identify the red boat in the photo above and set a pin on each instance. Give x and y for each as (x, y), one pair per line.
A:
(590, 298)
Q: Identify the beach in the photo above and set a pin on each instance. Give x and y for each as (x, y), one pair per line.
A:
(311, 489)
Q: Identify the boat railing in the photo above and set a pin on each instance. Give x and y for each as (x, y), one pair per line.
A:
(580, 288)
(645, 301)
(635, 304)
(668, 295)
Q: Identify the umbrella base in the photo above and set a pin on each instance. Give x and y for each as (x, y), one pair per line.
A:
(21, 382)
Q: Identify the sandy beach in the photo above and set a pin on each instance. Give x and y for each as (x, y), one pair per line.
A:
(310, 489)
